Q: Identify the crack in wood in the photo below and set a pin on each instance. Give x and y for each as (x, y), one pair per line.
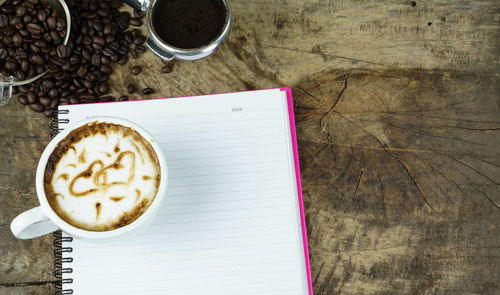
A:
(25, 284)
(390, 154)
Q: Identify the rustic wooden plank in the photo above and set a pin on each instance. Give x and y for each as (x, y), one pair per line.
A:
(23, 137)
(401, 180)
(28, 290)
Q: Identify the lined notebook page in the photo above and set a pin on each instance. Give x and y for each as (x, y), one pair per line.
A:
(230, 223)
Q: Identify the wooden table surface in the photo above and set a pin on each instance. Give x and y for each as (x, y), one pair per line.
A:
(398, 108)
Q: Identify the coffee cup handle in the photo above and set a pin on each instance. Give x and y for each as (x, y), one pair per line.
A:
(31, 224)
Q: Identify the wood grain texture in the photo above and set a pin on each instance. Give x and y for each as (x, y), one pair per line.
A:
(398, 109)
(23, 137)
(401, 181)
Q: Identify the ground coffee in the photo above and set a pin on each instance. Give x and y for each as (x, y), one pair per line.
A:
(189, 23)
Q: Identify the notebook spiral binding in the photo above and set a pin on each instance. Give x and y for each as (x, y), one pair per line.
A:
(55, 122)
(59, 260)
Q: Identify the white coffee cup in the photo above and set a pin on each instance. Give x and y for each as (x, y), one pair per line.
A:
(43, 219)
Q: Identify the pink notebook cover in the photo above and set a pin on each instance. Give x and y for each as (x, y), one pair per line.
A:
(293, 132)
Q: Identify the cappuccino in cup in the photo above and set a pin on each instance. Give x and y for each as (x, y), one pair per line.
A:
(102, 176)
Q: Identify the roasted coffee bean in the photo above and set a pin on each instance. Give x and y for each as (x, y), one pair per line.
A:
(131, 88)
(99, 40)
(37, 107)
(138, 13)
(116, 3)
(53, 93)
(34, 29)
(109, 38)
(40, 43)
(60, 24)
(107, 52)
(137, 22)
(87, 40)
(106, 69)
(128, 37)
(8, 31)
(22, 99)
(58, 61)
(105, 60)
(139, 40)
(148, 91)
(52, 68)
(3, 53)
(96, 59)
(125, 15)
(96, 47)
(17, 38)
(140, 49)
(123, 98)
(20, 10)
(20, 76)
(51, 22)
(167, 68)
(63, 51)
(103, 88)
(107, 29)
(114, 46)
(31, 97)
(44, 101)
(4, 20)
(11, 66)
(15, 21)
(135, 70)
(74, 100)
(23, 88)
(56, 38)
(41, 15)
(123, 60)
(25, 65)
(38, 59)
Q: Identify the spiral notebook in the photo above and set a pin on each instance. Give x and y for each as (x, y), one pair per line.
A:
(233, 219)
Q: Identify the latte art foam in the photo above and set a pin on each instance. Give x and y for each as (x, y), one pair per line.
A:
(102, 176)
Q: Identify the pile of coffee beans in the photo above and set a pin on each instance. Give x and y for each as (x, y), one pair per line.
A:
(31, 37)
(30, 31)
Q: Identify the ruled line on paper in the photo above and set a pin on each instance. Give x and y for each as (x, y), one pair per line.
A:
(157, 134)
(197, 240)
(228, 182)
(129, 272)
(194, 249)
(219, 219)
(219, 148)
(225, 165)
(197, 116)
(231, 191)
(213, 122)
(221, 174)
(221, 210)
(220, 139)
(224, 156)
(226, 201)
(212, 229)
(156, 260)
(239, 274)
(218, 285)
